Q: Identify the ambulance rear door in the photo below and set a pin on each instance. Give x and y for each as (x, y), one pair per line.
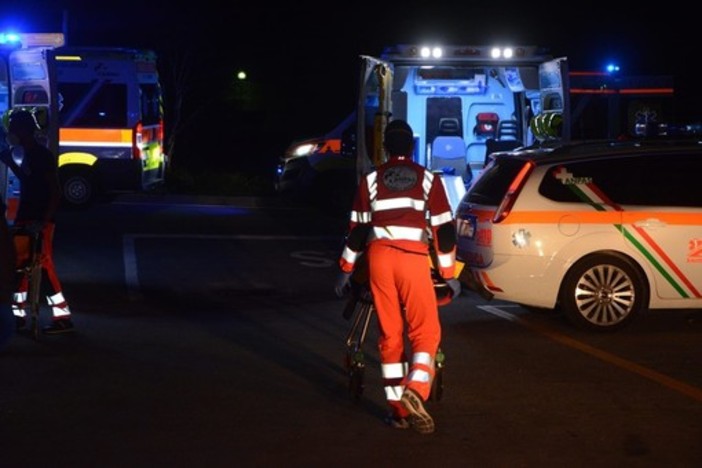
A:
(554, 101)
(373, 112)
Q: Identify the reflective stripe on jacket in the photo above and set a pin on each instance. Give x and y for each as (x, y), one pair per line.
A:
(400, 204)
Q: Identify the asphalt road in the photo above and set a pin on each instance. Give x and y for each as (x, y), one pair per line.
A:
(208, 335)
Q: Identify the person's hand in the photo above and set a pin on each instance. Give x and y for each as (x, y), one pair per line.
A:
(343, 284)
(455, 286)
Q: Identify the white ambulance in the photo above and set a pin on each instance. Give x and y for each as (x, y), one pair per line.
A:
(100, 109)
(25, 82)
(463, 102)
(110, 117)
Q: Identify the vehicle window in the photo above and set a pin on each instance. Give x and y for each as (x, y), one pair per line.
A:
(150, 96)
(492, 185)
(93, 105)
(4, 87)
(640, 180)
(671, 180)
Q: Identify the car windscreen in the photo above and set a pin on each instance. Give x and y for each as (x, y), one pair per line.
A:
(492, 185)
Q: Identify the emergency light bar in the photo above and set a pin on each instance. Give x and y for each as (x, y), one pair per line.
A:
(410, 52)
(26, 40)
(10, 39)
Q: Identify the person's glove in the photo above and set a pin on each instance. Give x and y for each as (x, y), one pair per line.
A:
(455, 286)
(343, 284)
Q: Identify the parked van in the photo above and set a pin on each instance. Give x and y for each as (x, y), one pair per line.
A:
(110, 119)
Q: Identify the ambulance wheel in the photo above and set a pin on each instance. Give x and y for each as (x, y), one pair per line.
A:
(77, 187)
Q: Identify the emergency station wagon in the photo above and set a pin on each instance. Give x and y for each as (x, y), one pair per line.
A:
(601, 231)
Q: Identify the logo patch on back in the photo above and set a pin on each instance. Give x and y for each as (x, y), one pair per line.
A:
(399, 178)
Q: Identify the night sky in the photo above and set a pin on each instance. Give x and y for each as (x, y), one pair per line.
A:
(304, 59)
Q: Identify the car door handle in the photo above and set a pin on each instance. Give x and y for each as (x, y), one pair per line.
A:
(650, 223)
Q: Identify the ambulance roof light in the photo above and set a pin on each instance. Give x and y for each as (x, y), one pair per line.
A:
(32, 39)
(431, 52)
(499, 52)
(10, 38)
(612, 68)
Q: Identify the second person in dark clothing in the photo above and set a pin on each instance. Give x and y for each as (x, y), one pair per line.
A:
(40, 197)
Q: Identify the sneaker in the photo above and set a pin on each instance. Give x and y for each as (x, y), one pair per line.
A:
(20, 323)
(397, 422)
(419, 419)
(59, 326)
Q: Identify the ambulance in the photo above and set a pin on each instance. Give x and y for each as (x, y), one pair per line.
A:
(100, 109)
(110, 117)
(26, 83)
(463, 103)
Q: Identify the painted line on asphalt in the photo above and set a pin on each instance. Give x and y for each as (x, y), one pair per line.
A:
(131, 268)
(662, 379)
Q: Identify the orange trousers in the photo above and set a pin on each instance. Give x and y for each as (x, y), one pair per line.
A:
(55, 297)
(405, 301)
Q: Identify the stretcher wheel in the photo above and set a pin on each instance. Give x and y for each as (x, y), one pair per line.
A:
(355, 367)
(437, 385)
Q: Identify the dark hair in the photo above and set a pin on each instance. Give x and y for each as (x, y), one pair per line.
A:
(399, 138)
(22, 121)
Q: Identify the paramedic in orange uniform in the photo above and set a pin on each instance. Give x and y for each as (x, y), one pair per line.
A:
(39, 200)
(395, 207)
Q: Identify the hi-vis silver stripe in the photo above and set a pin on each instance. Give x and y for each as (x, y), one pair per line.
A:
(426, 184)
(445, 260)
(419, 375)
(395, 203)
(372, 180)
(440, 219)
(398, 233)
(349, 255)
(422, 358)
(362, 217)
(393, 371)
(393, 392)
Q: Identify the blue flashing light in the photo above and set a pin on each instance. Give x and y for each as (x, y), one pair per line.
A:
(612, 68)
(10, 39)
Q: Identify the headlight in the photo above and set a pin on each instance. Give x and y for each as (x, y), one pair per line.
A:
(302, 148)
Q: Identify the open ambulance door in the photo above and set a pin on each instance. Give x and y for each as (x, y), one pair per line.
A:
(373, 113)
(551, 120)
(31, 87)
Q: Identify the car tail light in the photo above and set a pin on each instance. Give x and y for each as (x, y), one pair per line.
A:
(512, 192)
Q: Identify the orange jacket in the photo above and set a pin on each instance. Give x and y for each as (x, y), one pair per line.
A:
(404, 205)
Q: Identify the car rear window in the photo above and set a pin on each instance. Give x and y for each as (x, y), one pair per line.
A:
(643, 180)
(492, 185)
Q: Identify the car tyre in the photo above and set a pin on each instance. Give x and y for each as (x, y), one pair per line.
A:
(603, 292)
(77, 188)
